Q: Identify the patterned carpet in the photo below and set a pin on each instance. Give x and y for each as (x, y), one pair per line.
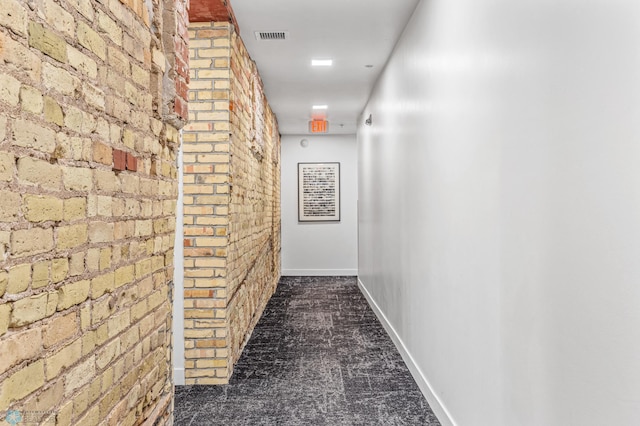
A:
(318, 356)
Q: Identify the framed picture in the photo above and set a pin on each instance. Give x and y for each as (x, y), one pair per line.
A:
(318, 192)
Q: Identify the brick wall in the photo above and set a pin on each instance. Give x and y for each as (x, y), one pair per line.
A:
(254, 243)
(232, 218)
(88, 183)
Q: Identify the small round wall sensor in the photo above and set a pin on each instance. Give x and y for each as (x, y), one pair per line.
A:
(304, 143)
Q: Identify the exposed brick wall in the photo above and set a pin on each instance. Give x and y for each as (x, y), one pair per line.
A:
(88, 188)
(176, 72)
(254, 243)
(232, 211)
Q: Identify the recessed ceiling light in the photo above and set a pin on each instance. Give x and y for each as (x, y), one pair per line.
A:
(320, 107)
(322, 62)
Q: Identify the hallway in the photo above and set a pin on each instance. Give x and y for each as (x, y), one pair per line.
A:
(318, 356)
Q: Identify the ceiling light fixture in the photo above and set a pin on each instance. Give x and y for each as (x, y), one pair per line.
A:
(321, 62)
(320, 107)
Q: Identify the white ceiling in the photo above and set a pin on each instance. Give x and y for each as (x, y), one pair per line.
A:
(353, 33)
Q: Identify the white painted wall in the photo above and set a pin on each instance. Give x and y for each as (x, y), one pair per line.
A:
(500, 209)
(178, 282)
(327, 248)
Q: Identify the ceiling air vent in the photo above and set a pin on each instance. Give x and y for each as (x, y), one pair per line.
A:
(272, 35)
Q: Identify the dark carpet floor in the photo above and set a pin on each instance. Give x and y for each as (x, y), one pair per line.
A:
(318, 356)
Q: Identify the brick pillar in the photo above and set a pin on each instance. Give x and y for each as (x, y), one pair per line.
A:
(206, 206)
(232, 203)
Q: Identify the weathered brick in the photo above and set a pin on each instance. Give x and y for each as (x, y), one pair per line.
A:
(63, 417)
(143, 228)
(60, 329)
(82, 62)
(104, 206)
(85, 7)
(124, 275)
(93, 259)
(119, 61)
(5, 316)
(92, 417)
(91, 40)
(59, 79)
(10, 207)
(80, 375)
(40, 276)
(118, 323)
(31, 99)
(4, 281)
(19, 347)
(77, 179)
(75, 208)
(47, 42)
(79, 121)
(9, 89)
(7, 164)
(31, 309)
(52, 111)
(73, 294)
(19, 278)
(105, 258)
(39, 406)
(102, 284)
(31, 135)
(76, 264)
(26, 242)
(58, 18)
(71, 236)
(108, 354)
(93, 96)
(14, 15)
(100, 232)
(110, 27)
(102, 153)
(39, 172)
(59, 269)
(43, 208)
(21, 383)
(64, 358)
(19, 57)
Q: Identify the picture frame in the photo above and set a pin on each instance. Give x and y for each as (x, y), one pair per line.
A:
(319, 192)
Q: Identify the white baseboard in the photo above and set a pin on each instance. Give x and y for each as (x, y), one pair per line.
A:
(178, 376)
(319, 272)
(427, 390)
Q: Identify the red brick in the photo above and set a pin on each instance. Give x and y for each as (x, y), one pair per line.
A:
(181, 89)
(119, 159)
(209, 11)
(181, 108)
(132, 162)
(182, 68)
